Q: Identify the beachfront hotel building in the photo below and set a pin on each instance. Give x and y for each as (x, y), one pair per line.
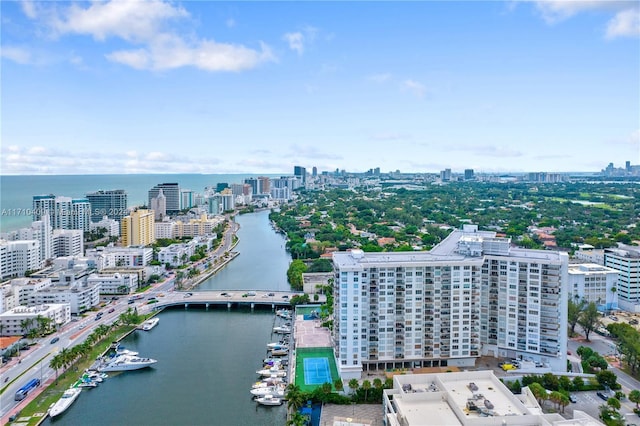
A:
(138, 228)
(111, 203)
(64, 212)
(471, 295)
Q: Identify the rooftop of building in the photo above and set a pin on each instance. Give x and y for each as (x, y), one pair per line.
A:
(467, 398)
(589, 269)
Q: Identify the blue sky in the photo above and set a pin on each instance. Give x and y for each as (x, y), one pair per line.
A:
(258, 87)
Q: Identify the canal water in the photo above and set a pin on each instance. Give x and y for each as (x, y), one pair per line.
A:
(206, 358)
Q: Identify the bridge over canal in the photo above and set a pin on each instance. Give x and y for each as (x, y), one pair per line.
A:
(229, 298)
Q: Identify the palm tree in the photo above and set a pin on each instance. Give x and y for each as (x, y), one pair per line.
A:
(366, 385)
(297, 419)
(354, 385)
(377, 383)
(294, 398)
(56, 363)
(338, 385)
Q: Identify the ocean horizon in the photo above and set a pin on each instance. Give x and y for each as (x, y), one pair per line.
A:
(17, 191)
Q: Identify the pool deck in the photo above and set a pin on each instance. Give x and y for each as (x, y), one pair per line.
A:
(311, 334)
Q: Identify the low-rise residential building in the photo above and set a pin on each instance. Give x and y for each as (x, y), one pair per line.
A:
(467, 398)
(112, 257)
(167, 229)
(21, 291)
(17, 257)
(115, 283)
(177, 254)
(111, 225)
(12, 320)
(79, 296)
(593, 283)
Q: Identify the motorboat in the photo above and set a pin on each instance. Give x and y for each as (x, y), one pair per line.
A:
(269, 400)
(149, 324)
(277, 391)
(277, 345)
(65, 401)
(273, 361)
(274, 380)
(87, 384)
(116, 350)
(127, 363)
(281, 329)
(268, 372)
(280, 352)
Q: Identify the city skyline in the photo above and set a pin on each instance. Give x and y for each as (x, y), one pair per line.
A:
(221, 87)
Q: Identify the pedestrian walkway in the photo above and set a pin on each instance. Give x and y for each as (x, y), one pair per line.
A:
(355, 414)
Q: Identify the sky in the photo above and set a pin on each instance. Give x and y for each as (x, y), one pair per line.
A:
(259, 87)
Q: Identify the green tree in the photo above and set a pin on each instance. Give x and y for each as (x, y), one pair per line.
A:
(353, 385)
(634, 396)
(607, 378)
(590, 319)
(294, 274)
(338, 385)
(366, 385)
(294, 397)
(613, 403)
(574, 311)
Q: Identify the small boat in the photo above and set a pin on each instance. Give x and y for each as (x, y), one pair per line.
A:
(277, 345)
(68, 397)
(277, 391)
(269, 400)
(149, 324)
(280, 352)
(274, 380)
(88, 384)
(281, 329)
(272, 372)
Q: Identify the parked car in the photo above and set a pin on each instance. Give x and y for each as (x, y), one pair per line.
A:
(573, 398)
(602, 396)
(633, 322)
(507, 367)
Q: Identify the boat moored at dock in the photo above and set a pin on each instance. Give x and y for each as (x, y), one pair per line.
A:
(126, 363)
(65, 401)
(149, 324)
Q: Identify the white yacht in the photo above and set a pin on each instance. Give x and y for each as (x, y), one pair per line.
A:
(270, 372)
(277, 391)
(64, 402)
(126, 363)
(149, 324)
(282, 329)
(269, 400)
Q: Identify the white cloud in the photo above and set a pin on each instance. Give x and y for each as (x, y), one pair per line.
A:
(16, 54)
(634, 137)
(230, 23)
(39, 160)
(129, 20)
(296, 41)
(154, 45)
(416, 88)
(624, 24)
(379, 78)
(29, 9)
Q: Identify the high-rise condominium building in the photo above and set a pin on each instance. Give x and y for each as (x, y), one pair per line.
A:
(301, 173)
(471, 295)
(64, 212)
(111, 203)
(172, 192)
(138, 228)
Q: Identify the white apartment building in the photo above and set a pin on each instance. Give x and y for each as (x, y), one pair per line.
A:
(79, 296)
(115, 283)
(471, 295)
(469, 398)
(177, 254)
(68, 242)
(17, 257)
(111, 225)
(626, 260)
(167, 229)
(593, 283)
(590, 256)
(39, 230)
(59, 314)
(112, 257)
(20, 291)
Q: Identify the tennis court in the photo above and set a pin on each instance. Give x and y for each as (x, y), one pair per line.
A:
(314, 367)
(316, 371)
